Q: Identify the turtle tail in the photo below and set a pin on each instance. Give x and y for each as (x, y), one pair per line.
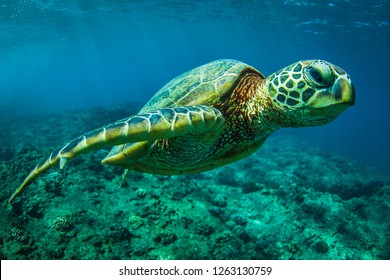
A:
(159, 124)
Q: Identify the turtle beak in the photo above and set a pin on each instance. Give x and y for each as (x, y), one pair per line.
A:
(344, 91)
(340, 95)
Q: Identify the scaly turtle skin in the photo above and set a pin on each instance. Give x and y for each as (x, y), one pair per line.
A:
(214, 115)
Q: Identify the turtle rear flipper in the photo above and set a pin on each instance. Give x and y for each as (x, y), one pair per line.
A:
(160, 124)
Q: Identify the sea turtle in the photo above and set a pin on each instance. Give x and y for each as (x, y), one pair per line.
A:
(213, 115)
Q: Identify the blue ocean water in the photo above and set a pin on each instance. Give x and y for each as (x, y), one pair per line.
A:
(62, 55)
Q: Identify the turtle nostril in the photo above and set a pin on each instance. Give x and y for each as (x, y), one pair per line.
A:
(344, 91)
(338, 92)
(353, 94)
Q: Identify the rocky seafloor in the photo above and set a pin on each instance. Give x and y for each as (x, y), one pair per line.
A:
(288, 201)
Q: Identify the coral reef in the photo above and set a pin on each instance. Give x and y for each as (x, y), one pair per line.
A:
(307, 205)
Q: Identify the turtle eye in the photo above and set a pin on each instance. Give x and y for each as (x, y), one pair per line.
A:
(319, 74)
(315, 75)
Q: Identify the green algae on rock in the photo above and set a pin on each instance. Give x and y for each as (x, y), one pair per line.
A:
(294, 215)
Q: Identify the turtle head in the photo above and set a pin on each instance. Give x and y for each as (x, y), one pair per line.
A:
(312, 92)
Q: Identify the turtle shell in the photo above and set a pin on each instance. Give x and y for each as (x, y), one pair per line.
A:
(204, 85)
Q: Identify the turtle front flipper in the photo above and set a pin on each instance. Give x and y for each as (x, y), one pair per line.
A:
(159, 124)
